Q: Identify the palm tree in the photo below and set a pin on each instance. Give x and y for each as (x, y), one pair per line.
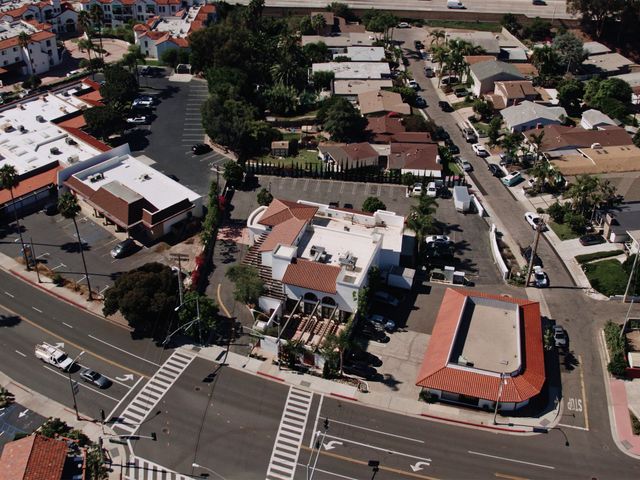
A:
(582, 191)
(23, 41)
(84, 22)
(96, 14)
(439, 55)
(543, 173)
(291, 351)
(132, 58)
(89, 46)
(9, 179)
(69, 208)
(536, 142)
(437, 36)
(318, 22)
(340, 343)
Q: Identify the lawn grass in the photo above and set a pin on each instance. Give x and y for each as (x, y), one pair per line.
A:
(589, 257)
(608, 277)
(563, 231)
(303, 158)
(462, 104)
(482, 26)
(451, 168)
(291, 136)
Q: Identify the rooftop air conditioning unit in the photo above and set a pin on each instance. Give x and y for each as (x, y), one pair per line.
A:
(54, 150)
(40, 118)
(70, 141)
(73, 159)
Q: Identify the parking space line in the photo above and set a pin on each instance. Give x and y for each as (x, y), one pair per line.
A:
(45, 254)
(84, 385)
(124, 351)
(37, 309)
(20, 353)
(67, 325)
(316, 469)
(61, 265)
(9, 294)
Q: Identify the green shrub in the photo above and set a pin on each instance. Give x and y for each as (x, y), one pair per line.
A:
(616, 344)
(58, 280)
(635, 423)
(588, 257)
(556, 211)
(575, 221)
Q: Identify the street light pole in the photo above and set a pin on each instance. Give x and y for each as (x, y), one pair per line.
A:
(534, 250)
(189, 324)
(495, 412)
(73, 390)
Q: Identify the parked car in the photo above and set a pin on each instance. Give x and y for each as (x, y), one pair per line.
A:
(143, 101)
(469, 135)
(388, 324)
(413, 84)
(420, 102)
(461, 92)
(540, 278)
(480, 150)
(464, 165)
(512, 179)
(123, 248)
(559, 336)
(200, 148)
(361, 370)
(375, 335)
(537, 262)
(417, 190)
(50, 208)
(449, 80)
(441, 239)
(538, 2)
(138, 120)
(441, 134)
(429, 73)
(445, 106)
(95, 378)
(385, 297)
(534, 220)
(591, 239)
(432, 190)
(453, 148)
(404, 25)
(495, 170)
(505, 159)
(145, 71)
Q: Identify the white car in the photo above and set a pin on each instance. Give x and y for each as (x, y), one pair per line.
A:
(143, 102)
(138, 120)
(559, 336)
(540, 277)
(417, 190)
(404, 25)
(480, 150)
(441, 239)
(413, 84)
(432, 191)
(534, 220)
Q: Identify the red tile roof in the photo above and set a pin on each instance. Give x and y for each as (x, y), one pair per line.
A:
(284, 233)
(437, 375)
(279, 211)
(16, 12)
(31, 184)
(312, 275)
(33, 458)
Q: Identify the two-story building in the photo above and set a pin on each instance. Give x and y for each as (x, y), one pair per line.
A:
(60, 15)
(119, 12)
(37, 57)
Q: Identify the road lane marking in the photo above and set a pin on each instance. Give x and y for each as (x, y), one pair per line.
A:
(37, 309)
(9, 295)
(328, 473)
(123, 399)
(60, 337)
(510, 477)
(66, 325)
(124, 351)
(511, 460)
(378, 431)
(79, 384)
(361, 462)
(381, 449)
(20, 353)
(315, 425)
(573, 426)
(584, 394)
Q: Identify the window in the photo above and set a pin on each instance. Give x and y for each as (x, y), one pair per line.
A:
(5, 62)
(48, 43)
(139, 8)
(15, 49)
(50, 52)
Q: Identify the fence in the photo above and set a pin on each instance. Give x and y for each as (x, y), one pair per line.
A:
(495, 250)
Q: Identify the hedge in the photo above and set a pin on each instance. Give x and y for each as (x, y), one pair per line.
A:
(616, 344)
(589, 257)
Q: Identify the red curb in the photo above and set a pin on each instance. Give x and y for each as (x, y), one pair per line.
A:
(473, 424)
(273, 377)
(353, 399)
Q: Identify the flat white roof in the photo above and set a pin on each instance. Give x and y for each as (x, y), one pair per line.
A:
(363, 54)
(178, 27)
(137, 179)
(15, 28)
(27, 136)
(354, 87)
(357, 70)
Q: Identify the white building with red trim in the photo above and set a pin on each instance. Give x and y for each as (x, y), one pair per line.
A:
(119, 12)
(36, 58)
(61, 16)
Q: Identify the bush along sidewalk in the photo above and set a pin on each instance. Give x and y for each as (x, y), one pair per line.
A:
(617, 346)
(209, 232)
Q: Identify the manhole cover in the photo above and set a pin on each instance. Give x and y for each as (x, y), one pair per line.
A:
(165, 430)
(197, 389)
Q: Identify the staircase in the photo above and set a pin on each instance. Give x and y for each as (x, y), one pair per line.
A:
(273, 288)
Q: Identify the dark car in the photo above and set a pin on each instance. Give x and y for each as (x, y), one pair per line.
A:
(372, 332)
(123, 248)
(348, 206)
(200, 148)
(50, 208)
(95, 378)
(362, 356)
(495, 170)
(453, 148)
(173, 177)
(418, 44)
(445, 106)
(442, 134)
(591, 239)
(460, 92)
(537, 262)
(420, 102)
(361, 370)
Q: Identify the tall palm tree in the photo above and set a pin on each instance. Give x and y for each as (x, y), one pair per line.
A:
(437, 36)
(84, 22)
(536, 142)
(69, 208)
(23, 41)
(340, 343)
(318, 22)
(88, 45)
(96, 14)
(439, 55)
(9, 180)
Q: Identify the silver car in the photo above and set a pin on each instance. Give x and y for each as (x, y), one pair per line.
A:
(95, 378)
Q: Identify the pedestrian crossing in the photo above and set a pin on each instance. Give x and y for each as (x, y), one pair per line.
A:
(141, 469)
(286, 449)
(153, 391)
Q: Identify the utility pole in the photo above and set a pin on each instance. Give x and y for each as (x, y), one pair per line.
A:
(74, 386)
(534, 249)
(35, 259)
(179, 257)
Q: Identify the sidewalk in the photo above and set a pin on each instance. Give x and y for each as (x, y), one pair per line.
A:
(46, 407)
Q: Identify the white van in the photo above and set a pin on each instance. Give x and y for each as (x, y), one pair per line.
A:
(455, 4)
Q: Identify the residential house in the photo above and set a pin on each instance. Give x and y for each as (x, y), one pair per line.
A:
(60, 16)
(120, 12)
(486, 351)
(354, 70)
(561, 139)
(280, 148)
(485, 74)
(506, 94)
(485, 40)
(595, 48)
(37, 58)
(37, 457)
(633, 79)
(605, 64)
(336, 24)
(617, 222)
(419, 159)
(350, 155)
(528, 115)
(382, 102)
(598, 159)
(338, 44)
(350, 89)
(382, 129)
(363, 54)
(595, 120)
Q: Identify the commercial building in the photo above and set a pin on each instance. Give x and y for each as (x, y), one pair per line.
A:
(485, 350)
(37, 57)
(60, 16)
(119, 12)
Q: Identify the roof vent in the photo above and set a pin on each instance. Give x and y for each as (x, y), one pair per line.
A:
(96, 177)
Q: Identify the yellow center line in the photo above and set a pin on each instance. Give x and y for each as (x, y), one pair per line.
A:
(222, 305)
(510, 477)
(361, 462)
(584, 393)
(79, 347)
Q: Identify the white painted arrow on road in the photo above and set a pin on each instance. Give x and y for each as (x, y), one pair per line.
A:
(59, 345)
(128, 376)
(22, 414)
(332, 444)
(419, 465)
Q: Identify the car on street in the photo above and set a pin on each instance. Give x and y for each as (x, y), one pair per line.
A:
(464, 165)
(534, 220)
(495, 170)
(429, 73)
(537, 262)
(591, 239)
(540, 277)
(143, 101)
(404, 25)
(95, 378)
(50, 208)
(469, 134)
(438, 239)
(480, 150)
(432, 190)
(559, 336)
(386, 297)
(413, 84)
(388, 324)
(538, 2)
(138, 120)
(445, 106)
(441, 134)
(200, 148)
(512, 179)
(123, 248)
(145, 71)
(417, 190)
(420, 102)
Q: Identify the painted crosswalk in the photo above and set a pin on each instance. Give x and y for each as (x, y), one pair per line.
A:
(286, 448)
(153, 391)
(141, 469)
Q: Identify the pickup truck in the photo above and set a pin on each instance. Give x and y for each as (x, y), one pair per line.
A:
(53, 355)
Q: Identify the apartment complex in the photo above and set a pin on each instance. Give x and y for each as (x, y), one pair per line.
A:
(119, 12)
(60, 16)
(37, 57)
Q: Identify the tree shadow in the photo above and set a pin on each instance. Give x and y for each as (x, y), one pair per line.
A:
(390, 381)
(136, 138)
